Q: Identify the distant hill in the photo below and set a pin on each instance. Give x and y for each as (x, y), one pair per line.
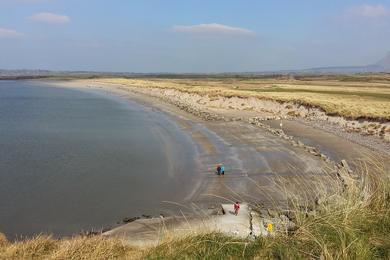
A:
(385, 63)
(382, 65)
(345, 69)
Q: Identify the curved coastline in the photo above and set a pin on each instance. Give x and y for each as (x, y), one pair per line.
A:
(102, 201)
(258, 162)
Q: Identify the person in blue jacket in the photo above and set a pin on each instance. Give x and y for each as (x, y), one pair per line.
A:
(222, 170)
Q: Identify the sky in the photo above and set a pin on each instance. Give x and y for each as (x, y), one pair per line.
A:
(191, 36)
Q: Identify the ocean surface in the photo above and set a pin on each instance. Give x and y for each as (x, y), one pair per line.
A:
(73, 160)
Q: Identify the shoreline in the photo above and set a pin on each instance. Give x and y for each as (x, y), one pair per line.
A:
(328, 144)
(225, 138)
(336, 125)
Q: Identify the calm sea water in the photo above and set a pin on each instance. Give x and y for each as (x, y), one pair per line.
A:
(72, 160)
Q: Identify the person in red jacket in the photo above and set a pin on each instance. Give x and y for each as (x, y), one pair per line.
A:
(236, 208)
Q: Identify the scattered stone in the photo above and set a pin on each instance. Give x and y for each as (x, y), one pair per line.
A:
(128, 220)
(323, 156)
(90, 233)
(291, 214)
(264, 213)
(345, 176)
(346, 165)
(318, 201)
(287, 223)
(258, 228)
(272, 213)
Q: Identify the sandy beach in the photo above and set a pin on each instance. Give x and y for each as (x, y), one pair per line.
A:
(256, 155)
(263, 162)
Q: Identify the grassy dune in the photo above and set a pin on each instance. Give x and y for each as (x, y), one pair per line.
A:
(352, 225)
(353, 97)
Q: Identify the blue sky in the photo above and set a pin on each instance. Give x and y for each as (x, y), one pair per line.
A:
(191, 35)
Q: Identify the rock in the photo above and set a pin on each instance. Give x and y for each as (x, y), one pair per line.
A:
(318, 201)
(258, 228)
(290, 214)
(128, 220)
(300, 144)
(345, 177)
(313, 150)
(272, 213)
(90, 233)
(287, 223)
(323, 156)
(264, 213)
(284, 136)
(280, 224)
(346, 165)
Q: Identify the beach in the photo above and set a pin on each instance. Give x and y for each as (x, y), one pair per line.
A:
(263, 159)
(278, 168)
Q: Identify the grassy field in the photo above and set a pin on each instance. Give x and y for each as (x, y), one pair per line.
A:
(355, 97)
(353, 225)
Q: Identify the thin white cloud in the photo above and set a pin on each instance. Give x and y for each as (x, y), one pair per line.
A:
(211, 28)
(9, 34)
(49, 18)
(368, 11)
(25, 1)
(34, 1)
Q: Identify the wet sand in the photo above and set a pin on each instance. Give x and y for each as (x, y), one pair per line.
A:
(259, 165)
(262, 168)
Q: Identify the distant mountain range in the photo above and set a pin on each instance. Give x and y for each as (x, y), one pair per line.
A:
(382, 65)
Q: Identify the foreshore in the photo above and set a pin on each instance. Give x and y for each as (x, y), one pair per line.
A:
(263, 158)
(208, 109)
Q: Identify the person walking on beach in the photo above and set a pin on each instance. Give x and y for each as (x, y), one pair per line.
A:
(223, 170)
(236, 208)
(219, 170)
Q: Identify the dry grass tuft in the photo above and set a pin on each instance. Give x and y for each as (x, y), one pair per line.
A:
(94, 248)
(3, 240)
(45, 247)
(38, 247)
